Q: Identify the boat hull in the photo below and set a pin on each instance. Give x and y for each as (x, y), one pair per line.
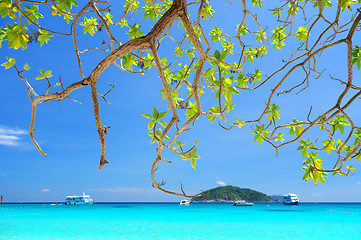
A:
(291, 203)
(78, 203)
(243, 204)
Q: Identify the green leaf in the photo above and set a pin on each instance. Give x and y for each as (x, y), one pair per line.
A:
(68, 17)
(134, 31)
(347, 4)
(151, 124)
(257, 75)
(44, 74)
(278, 38)
(207, 11)
(44, 37)
(240, 122)
(257, 2)
(356, 54)
(108, 18)
(228, 96)
(178, 144)
(155, 113)
(26, 66)
(162, 114)
(351, 168)
(5, 6)
(151, 11)
(242, 81)
(164, 124)
(178, 52)
(261, 36)
(193, 162)
(192, 156)
(128, 61)
(217, 55)
(329, 146)
(252, 54)
(66, 4)
(293, 8)
(32, 13)
(158, 134)
(210, 72)
(279, 137)
(301, 34)
(190, 54)
(260, 133)
(123, 22)
(134, 7)
(273, 112)
(243, 30)
(90, 25)
(48, 74)
(295, 128)
(338, 123)
(9, 64)
(191, 110)
(224, 55)
(227, 46)
(16, 36)
(216, 34)
(146, 115)
(324, 3)
(277, 11)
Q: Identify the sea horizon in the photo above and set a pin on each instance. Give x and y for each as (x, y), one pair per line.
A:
(174, 202)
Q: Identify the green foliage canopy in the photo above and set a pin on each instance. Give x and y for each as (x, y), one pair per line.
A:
(206, 61)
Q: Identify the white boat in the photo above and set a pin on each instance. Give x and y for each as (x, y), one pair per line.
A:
(55, 204)
(291, 199)
(78, 200)
(242, 203)
(184, 202)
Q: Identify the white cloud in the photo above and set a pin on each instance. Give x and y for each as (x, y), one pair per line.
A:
(4, 130)
(126, 190)
(359, 183)
(221, 183)
(45, 190)
(9, 136)
(8, 140)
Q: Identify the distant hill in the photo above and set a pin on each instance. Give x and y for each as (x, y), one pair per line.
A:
(278, 198)
(231, 194)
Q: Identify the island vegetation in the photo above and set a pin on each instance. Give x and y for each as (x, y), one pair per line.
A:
(231, 193)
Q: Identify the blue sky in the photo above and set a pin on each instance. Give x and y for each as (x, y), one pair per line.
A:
(66, 131)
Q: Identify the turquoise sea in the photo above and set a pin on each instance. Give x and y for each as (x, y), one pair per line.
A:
(172, 221)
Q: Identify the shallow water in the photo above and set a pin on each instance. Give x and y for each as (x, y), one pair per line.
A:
(172, 221)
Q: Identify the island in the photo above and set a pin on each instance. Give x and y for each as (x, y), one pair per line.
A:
(230, 194)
